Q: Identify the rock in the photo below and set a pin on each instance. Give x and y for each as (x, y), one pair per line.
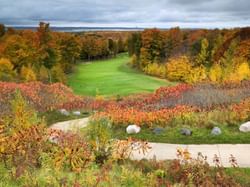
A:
(158, 130)
(245, 127)
(77, 113)
(133, 129)
(64, 112)
(216, 131)
(186, 132)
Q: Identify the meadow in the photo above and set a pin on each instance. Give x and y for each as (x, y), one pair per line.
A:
(112, 77)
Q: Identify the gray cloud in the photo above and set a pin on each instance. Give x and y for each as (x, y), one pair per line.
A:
(142, 13)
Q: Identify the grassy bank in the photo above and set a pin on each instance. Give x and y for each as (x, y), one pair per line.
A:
(230, 135)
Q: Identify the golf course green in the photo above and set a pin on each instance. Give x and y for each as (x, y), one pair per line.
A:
(112, 77)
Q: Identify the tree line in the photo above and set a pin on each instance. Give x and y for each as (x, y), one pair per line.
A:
(192, 55)
(47, 56)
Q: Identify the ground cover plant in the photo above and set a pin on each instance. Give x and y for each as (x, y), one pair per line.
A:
(198, 107)
(32, 155)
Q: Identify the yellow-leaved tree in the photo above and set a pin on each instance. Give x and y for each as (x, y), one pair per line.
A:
(7, 72)
(215, 73)
(240, 70)
(134, 61)
(57, 74)
(155, 69)
(197, 74)
(178, 69)
(243, 71)
(43, 74)
(27, 74)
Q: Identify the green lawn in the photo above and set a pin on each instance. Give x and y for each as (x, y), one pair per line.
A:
(230, 135)
(112, 77)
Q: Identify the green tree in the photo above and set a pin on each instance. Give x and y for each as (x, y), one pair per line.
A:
(152, 47)
(216, 45)
(70, 51)
(49, 61)
(134, 44)
(112, 47)
(18, 51)
(2, 30)
(120, 45)
(202, 57)
(58, 74)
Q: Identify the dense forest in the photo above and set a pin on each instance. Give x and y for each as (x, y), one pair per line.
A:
(47, 56)
(192, 55)
(175, 54)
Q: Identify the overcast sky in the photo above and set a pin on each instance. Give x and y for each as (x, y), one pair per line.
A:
(127, 13)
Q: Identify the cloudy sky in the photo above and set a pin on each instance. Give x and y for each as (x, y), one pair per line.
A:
(127, 13)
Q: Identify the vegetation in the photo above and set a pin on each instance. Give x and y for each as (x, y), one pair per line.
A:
(35, 156)
(192, 56)
(211, 67)
(112, 77)
(200, 135)
(47, 56)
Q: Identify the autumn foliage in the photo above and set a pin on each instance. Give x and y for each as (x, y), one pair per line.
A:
(192, 55)
(41, 96)
(47, 56)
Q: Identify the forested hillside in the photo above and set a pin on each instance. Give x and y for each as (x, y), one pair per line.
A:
(192, 55)
(47, 56)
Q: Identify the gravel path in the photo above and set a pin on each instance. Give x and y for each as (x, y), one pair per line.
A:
(72, 125)
(162, 151)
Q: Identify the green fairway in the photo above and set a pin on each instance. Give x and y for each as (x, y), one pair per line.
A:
(112, 77)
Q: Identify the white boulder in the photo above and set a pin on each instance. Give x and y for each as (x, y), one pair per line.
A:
(77, 113)
(133, 129)
(245, 127)
(64, 112)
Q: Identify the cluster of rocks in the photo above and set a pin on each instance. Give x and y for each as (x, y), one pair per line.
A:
(187, 132)
(134, 129)
(67, 113)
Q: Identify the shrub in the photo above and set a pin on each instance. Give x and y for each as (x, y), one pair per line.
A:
(178, 69)
(125, 116)
(43, 74)
(22, 149)
(134, 61)
(40, 96)
(215, 73)
(27, 74)
(243, 71)
(71, 151)
(197, 74)
(24, 137)
(22, 115)
(58, 74)
(7, 72)
(197, 172)
(155, 69)
(185, 119)
(99, 136)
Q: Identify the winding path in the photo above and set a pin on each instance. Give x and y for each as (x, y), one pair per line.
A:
(163, 151)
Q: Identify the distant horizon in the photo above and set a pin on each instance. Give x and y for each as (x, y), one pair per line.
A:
(116, 27)
(130, 13)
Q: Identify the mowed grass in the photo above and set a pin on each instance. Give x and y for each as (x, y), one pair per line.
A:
(230, 135)
(112, 77)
